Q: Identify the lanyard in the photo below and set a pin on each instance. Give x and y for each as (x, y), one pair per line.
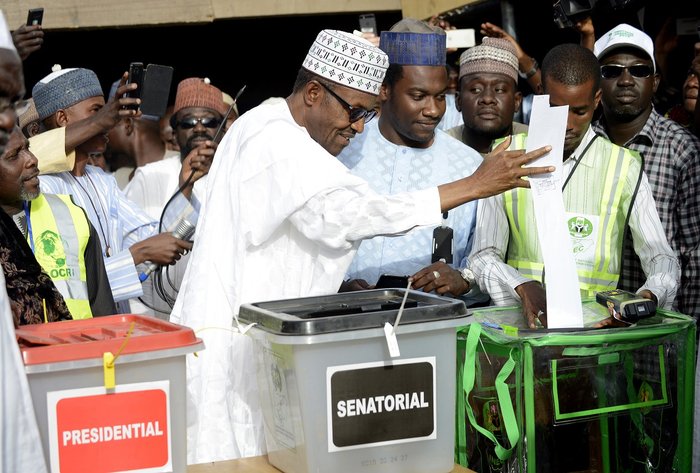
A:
(25, 206)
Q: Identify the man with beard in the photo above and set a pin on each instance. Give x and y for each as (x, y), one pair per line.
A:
(488, 94)
(33, 298)
(403, 150)
(58, 232)
(198, 111)
(20, 442)
(671, 154)
(605, 193)
(128, 236)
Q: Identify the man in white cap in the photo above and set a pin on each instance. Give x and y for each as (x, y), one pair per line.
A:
(127, 235)
(404, 150)
(488, 94)
(20, 443)
(282, 218)
(671, 154)
(12, 88)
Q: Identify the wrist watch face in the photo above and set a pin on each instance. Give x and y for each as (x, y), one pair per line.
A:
(468, 276)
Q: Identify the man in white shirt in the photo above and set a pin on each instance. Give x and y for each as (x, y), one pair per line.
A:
(282, 218)
(197, 114)
(506, 257)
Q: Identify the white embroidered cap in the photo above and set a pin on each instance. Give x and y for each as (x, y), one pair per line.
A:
(348, 60)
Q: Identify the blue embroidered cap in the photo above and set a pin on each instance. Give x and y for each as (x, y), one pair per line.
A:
(63, 88)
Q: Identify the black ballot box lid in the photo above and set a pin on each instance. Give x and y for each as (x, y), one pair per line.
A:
(349, 311)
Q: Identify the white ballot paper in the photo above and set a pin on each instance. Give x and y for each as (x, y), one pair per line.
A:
(548, 127)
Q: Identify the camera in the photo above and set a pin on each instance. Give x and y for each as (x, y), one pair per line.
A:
(568, 12)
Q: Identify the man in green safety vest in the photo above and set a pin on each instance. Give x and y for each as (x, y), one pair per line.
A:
(605, 193)
(58, 231)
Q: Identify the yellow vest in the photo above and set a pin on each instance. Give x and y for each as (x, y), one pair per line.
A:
(594, 192)
(60, 234)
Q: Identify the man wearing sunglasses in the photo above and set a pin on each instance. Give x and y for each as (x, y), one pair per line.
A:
(403, 150)
(283, 218)
(671, 154)
(197, 115)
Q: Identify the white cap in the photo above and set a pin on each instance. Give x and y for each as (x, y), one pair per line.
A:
(5, 36)
(348, 60)
(624, 35)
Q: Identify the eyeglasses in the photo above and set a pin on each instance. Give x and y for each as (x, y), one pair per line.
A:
(613, 71)
(356, 113)
(191, 122)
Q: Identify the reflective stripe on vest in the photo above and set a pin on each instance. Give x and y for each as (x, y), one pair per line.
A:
(604, 196)
(61, 233)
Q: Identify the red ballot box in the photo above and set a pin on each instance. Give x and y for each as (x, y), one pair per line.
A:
(110, 392)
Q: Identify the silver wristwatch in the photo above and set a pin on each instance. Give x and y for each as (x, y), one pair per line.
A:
(468, 276)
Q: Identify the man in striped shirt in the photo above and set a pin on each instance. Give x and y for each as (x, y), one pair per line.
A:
(671, 154)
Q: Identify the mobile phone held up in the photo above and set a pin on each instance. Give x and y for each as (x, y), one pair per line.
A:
(35, 16)
(368, 23)
(135, 77)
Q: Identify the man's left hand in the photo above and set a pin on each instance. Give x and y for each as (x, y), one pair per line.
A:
(441, 278)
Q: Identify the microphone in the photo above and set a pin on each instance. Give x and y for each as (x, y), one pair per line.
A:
(183, 231)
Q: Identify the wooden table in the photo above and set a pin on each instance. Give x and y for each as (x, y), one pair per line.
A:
(257, 465)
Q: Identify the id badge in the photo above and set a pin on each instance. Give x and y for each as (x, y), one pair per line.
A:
(442, 244)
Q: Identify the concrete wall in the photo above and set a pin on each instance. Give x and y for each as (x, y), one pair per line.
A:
(68, 14)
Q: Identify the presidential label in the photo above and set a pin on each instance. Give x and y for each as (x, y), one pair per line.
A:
(373, 404)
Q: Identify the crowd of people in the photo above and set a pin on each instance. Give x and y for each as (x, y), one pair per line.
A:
(325, 190)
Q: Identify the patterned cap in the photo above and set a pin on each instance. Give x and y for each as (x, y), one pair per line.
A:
(198, 92)
(412, 42)
(492, 55)
(348, 60)
(624, 35)
(63, 88)
(27, 113)
(5, 36)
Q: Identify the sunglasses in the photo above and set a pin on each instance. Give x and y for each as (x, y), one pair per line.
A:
(356, 113)
(613, 71)
(191, 122)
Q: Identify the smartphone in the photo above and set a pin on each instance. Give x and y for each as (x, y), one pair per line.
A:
(35, 16)
(387, 281)
(368, 23)
(463, 38)
(155, 90)
(442, 245)
(135, 76)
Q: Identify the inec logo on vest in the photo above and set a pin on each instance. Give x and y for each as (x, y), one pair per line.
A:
(580, 227)
(48, 242)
